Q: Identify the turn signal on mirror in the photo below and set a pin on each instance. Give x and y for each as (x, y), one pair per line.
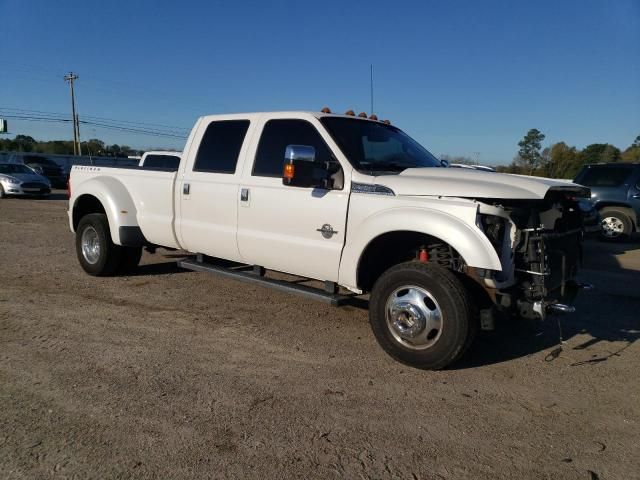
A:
(289, 171)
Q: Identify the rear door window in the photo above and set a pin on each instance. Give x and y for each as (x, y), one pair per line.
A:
(605, 176)
(220, 146)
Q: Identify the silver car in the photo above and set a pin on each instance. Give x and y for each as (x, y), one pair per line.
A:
(18, 179)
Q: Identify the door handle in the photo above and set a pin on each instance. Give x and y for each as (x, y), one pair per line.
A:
(185, 189)
(244, 194)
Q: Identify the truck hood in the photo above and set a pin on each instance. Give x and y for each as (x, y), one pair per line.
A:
(458, 182)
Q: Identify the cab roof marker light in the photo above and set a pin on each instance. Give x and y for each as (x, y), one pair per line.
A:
(326, 110)
(362, 115)
(351, 113)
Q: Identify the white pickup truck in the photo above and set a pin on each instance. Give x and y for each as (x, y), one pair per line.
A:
(352, 202)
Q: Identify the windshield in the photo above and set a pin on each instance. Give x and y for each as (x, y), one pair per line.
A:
(374, 147)
(9, 168)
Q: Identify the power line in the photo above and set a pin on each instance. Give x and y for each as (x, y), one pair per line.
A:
(93, 117)
(102, 125)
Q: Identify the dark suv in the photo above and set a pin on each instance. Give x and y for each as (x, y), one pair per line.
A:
(48, 168)
(615, 193)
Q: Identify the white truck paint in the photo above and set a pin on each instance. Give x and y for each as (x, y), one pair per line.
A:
(371, 207)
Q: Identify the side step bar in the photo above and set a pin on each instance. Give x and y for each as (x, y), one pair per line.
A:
(245, 276)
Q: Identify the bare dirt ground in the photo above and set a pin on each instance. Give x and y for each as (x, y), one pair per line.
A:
(176, 374)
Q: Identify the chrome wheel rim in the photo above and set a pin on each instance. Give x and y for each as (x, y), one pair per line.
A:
(612, 227)
(414, 317)
(90, 245)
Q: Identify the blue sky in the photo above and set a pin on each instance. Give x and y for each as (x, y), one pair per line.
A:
(459, 76)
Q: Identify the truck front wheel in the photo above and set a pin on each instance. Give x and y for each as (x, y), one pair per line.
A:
(421, 315)
(97, 253)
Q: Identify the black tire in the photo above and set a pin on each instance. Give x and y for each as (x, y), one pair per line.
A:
(109, 256)
(2, 194)
(616, 225)
(452, 300)
(130, 259)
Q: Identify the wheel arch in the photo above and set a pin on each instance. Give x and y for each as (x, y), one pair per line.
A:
(407, 225)
(105, 195)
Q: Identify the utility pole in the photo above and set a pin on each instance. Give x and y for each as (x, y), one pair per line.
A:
(78, 135)
(71, 77)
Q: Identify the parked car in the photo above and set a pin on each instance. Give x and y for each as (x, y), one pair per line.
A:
(352, 202)
(46, 167)
(160, 159)
(19, 180)
(615, 193)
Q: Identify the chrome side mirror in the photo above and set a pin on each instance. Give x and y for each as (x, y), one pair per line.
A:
(444, 163)
(301, 169)
(297, 153)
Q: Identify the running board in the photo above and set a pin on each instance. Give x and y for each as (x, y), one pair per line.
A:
(244, 276)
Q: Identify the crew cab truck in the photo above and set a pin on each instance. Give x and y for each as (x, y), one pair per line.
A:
(355, 203)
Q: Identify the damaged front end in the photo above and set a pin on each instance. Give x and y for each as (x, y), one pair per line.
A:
(540, 247)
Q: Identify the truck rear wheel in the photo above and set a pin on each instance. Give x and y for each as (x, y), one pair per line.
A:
(97, 253)
(421, 315)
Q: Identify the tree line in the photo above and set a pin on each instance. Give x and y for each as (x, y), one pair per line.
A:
(94, 146)
(559, 160)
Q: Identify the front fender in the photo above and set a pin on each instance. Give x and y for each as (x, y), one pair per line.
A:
(115, 199)
(466, 238)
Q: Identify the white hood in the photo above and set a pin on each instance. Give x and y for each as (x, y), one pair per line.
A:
(458, 182)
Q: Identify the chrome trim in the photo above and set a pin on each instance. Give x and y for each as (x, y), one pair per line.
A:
(561, 308)
(414, 317)
(373, 189)
(304, 153)
(543, 274)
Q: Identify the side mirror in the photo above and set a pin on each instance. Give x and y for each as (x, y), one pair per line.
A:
(301, 168)
(444, 163)
(37, 169)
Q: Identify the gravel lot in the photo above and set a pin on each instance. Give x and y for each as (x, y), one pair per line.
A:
(176, 374)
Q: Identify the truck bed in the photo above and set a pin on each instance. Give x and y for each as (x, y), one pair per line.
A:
(149, 194)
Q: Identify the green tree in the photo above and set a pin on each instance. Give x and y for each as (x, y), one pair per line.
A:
(24, 143)
(529, 155)
(632, 154)
(563, 162)
(600, 153)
